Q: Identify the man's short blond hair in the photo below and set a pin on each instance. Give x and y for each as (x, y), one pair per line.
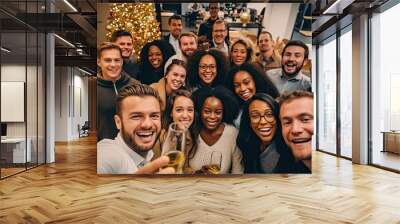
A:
(187, 34)
(288, 97)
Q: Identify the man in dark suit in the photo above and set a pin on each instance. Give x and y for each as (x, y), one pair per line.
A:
(205, 28)
(175, 29)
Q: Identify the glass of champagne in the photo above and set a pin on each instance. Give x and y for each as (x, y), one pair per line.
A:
(215, 162)
(174, 147)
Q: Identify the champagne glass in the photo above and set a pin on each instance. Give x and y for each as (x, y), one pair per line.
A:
(212, 163)
(174, 146)
(215, 162)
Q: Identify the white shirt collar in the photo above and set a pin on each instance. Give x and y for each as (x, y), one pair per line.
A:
(138, 159)
(175, 43)
(224, 47)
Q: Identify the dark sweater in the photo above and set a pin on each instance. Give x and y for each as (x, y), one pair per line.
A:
(131, 68)
(150, 76)
(292, 167)
(106, 96)
(205, 29)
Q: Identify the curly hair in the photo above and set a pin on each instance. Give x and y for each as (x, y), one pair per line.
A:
(249, 142)
(250, 55)
(262, 82)
(145, 66)
(227, 98)
(166, 50)
(193, 67)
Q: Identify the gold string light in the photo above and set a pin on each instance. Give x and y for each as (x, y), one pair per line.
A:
(137, 18)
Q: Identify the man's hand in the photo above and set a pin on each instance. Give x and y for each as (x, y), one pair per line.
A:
(154, 167)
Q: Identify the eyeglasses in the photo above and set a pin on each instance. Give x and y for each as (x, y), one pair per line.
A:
(256, 117)
(204, 67)
(219, 31)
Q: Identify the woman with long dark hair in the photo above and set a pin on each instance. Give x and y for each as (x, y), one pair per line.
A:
(260, 136)
(152, 60)
(180, 108)
(245, 81)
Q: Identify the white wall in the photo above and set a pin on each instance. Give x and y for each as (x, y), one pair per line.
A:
(71, 96)
(33, 127)
(12, 73)
(279, 19)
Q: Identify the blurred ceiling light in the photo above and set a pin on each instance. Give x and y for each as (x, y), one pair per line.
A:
(5, 50)
(65, 41)
(84, 71)
(70, 5)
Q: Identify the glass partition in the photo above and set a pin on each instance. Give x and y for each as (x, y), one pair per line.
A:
(327, 95)
(346, 93)
(13, 103)
(385, 89)
(22, 90)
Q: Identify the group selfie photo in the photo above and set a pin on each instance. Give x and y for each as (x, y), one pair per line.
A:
(203, 89)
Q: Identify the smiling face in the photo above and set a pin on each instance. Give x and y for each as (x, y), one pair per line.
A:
(183, 111)
(139, 122)
(110, 62)
(262, 121)
(239, 54)
(188, 45)
(293, 60)
(265, 42)
(175, 78)
(207, 69)
(219, 33)
(212, 113)
(155, 57)
(175, 27)
(214, 9)
(244, 85)
(126, 45)
(298, 126)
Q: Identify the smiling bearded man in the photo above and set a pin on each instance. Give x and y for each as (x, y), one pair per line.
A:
(138, 117)
(290, 78)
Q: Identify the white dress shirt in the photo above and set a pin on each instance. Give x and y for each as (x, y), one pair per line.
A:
(114, 156)
(175, 44)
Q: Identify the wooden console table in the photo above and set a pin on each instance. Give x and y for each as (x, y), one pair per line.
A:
(391, 141)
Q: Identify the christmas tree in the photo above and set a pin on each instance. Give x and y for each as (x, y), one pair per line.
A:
(137, 18)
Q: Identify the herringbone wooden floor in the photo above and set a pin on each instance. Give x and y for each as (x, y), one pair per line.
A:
(70, 191)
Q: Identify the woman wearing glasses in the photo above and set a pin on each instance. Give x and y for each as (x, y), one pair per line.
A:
(260, 136)
(207, 68)
(217, 108)
(245, 81)
(174, 79)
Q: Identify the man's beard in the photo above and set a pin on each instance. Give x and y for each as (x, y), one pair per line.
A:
(298, 69)
(186, 55)
(129, 140)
